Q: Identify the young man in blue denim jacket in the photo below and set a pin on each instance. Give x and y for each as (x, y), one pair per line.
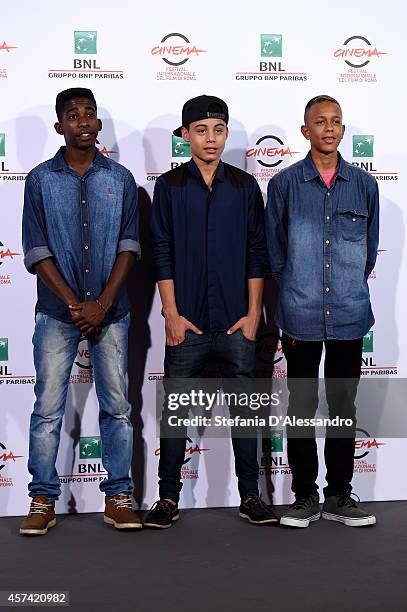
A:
(322, 221)
(80, 237)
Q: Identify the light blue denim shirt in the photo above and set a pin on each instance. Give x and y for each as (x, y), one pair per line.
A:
(83, 223)
(322, 245)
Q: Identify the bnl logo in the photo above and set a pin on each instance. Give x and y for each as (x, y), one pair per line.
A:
(271, 45)
(180, 147)
(274, 443)
(3, 349)
(368, 343)
(4, 357)
(90, 448)
(363, 146)
(85, 43)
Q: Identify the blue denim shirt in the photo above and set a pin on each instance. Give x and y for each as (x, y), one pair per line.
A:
(83, 223)
(209, 242)
(322, 245)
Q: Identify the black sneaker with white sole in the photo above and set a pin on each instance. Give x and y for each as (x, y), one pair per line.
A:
(161, 515)
(345, 509)
(302, 512)
(253, 509)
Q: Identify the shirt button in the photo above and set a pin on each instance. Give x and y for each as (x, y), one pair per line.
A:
(86, 270)
(85, 225)
(86, 247)
(353, 218)
(327, 265)
(88, 293)
(327, 241)
(328, 312)
(329, 193)
(328, 217)
(327, 289)
(83, 201)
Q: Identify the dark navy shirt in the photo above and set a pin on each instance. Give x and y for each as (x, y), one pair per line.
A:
(82, 223)
(209, 242)
(322, 243)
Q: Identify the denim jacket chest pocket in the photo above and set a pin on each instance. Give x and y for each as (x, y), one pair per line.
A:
(352, 223)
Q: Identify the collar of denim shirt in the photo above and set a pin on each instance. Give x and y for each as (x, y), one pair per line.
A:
(310, 172)
(59, 163)
(195, 172)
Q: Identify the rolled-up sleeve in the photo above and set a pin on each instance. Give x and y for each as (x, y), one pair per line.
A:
(256, 241)
(276, 229)
(129, 230)
(35, 240)
(161, 232)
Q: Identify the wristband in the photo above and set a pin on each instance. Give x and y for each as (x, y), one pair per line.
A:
(101, 305)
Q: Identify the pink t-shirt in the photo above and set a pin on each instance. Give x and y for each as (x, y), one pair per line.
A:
(328, 177)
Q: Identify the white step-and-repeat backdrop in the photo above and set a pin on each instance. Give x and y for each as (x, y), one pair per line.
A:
(142, 62)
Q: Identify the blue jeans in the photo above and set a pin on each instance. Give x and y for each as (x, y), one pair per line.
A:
(235, 357)
(55, 347)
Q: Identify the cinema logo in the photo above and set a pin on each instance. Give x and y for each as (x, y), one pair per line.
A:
(7, 256)
(269, 356)
(87, 470)
(176, 50)
(7, 375)
(5, 173)
(369, 363)
(87, 65)
(82, 371)
(7, 458)
(362, 150)
(180, 153)
(268, 156)
(364, 445)
(189, 469)
(7, 49)
(107, 152)
(357, 52)
(271, 66)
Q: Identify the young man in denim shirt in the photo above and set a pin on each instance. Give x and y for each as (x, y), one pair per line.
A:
(209, 251)
(80, 237)
(322, 225)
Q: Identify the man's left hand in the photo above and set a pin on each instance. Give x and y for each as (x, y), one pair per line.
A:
(87, 315)
(248, 324)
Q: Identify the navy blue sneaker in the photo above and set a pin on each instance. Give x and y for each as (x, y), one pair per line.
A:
(162, 515)
(256, 511)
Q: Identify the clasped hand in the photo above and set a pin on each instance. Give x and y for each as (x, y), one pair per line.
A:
(88, 316)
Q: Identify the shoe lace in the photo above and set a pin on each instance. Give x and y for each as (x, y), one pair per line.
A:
(165, 506)
(256, 500)
(348, 501)
(39, 507)
(123, 502)
(301, 503)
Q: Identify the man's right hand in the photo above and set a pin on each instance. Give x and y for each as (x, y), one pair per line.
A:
(91, 332)
(175, 328)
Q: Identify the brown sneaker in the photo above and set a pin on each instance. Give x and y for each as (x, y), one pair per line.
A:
(40, 518)
(119, 512)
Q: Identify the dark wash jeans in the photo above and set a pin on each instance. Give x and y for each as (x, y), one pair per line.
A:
(235, 357)
(343, 360)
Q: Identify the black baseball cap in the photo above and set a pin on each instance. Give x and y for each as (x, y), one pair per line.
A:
(203, 107)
